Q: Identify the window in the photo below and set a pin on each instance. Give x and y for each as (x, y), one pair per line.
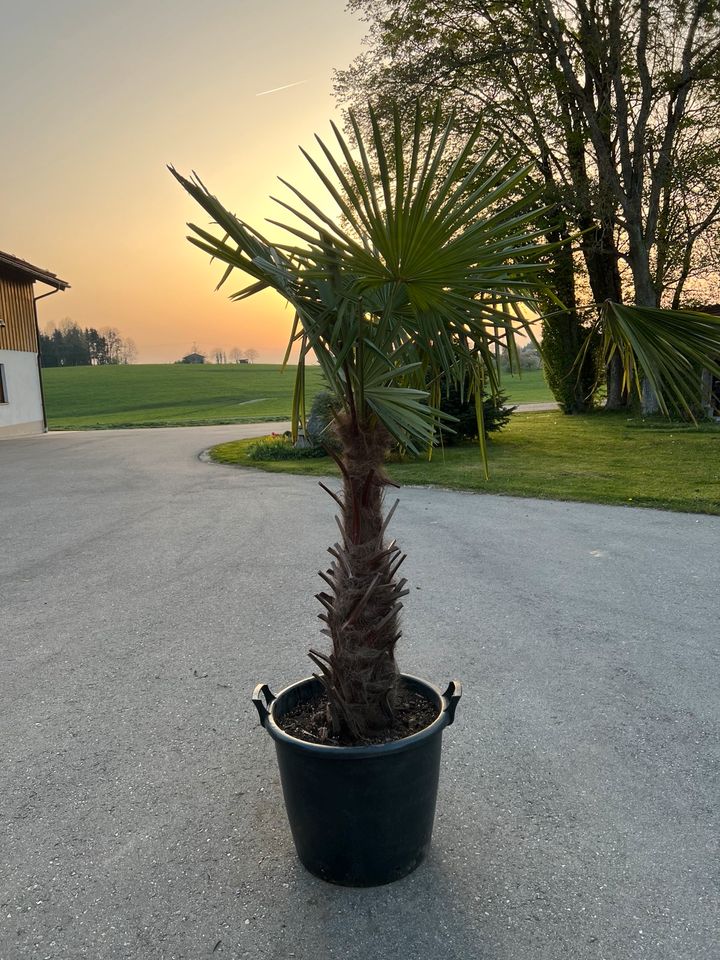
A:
(3, 387)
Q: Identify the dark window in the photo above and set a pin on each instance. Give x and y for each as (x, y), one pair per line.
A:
(3, 388)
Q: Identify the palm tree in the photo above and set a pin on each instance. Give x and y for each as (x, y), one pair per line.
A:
(429, 262)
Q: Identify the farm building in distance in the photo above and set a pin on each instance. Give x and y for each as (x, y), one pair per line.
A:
(193, 358)
(22, 411)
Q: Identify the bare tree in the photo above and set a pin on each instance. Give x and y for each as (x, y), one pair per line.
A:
(252, 355)
(129, 351)
(114, 343)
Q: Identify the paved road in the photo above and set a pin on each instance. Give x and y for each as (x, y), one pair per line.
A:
(144, 593)
(536, 407)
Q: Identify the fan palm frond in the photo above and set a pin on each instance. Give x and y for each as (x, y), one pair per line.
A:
(422, 265)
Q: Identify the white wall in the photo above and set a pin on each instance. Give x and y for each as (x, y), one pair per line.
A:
(22, 414)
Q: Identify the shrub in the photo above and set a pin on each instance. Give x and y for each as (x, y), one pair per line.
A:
(572, 384)
(280, 448)
(319, 431)
(496, 413)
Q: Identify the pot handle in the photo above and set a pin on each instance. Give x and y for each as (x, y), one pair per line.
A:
(450, 698)
(263, 712)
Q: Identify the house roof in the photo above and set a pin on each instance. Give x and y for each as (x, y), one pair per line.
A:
(16, 265)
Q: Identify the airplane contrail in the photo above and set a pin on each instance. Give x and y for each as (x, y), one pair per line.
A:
(277, 89)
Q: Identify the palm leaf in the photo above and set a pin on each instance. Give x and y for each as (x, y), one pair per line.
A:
(405, 274)
(668, 347)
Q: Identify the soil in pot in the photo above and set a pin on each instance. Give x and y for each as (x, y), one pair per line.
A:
(308, 721)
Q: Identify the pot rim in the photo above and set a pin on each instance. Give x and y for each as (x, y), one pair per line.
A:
(445, 703)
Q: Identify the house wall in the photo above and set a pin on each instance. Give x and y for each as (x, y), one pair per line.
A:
(22, 413)
(17, 315)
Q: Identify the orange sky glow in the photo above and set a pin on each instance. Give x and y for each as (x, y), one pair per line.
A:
(98, 96)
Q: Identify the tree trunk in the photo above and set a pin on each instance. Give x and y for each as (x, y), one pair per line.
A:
(601, 260)
(706, 394)
(617, 398)
(362, 610)
(645, 296)
(648, 401)
(563, 339)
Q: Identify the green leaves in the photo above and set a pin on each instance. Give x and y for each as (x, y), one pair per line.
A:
(420, 265)
(668, 347)
(412, 272)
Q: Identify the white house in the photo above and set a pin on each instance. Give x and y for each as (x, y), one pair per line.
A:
(22, 409)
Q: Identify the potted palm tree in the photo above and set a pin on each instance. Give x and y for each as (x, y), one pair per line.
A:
(427, 262)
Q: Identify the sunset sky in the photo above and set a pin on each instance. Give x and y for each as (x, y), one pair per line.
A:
(97, 96)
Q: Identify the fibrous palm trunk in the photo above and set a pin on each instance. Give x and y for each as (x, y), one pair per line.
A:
(362, 604)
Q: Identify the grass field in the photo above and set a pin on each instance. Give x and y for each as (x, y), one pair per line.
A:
(528, 388)
(168, 394)
(603, 458)
(82, 398)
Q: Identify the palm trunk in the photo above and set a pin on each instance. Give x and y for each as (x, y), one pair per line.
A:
(363, 605)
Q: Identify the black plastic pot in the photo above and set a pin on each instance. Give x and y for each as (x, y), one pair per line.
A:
(360, 816)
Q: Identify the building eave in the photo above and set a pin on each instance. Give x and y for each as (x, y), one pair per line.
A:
(15, 266)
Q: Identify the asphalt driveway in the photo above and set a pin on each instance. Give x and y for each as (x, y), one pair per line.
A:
(143, 593)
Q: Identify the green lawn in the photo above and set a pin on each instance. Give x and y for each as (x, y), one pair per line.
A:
(528, 388)
(603, 458)
(169, 394)
(80, 398)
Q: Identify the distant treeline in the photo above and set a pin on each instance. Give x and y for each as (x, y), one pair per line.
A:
(68, 345)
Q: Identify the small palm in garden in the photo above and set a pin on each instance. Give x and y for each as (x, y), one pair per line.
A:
(414, 282)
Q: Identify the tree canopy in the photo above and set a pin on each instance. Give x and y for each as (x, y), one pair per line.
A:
(617, 103)
(68, 345)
